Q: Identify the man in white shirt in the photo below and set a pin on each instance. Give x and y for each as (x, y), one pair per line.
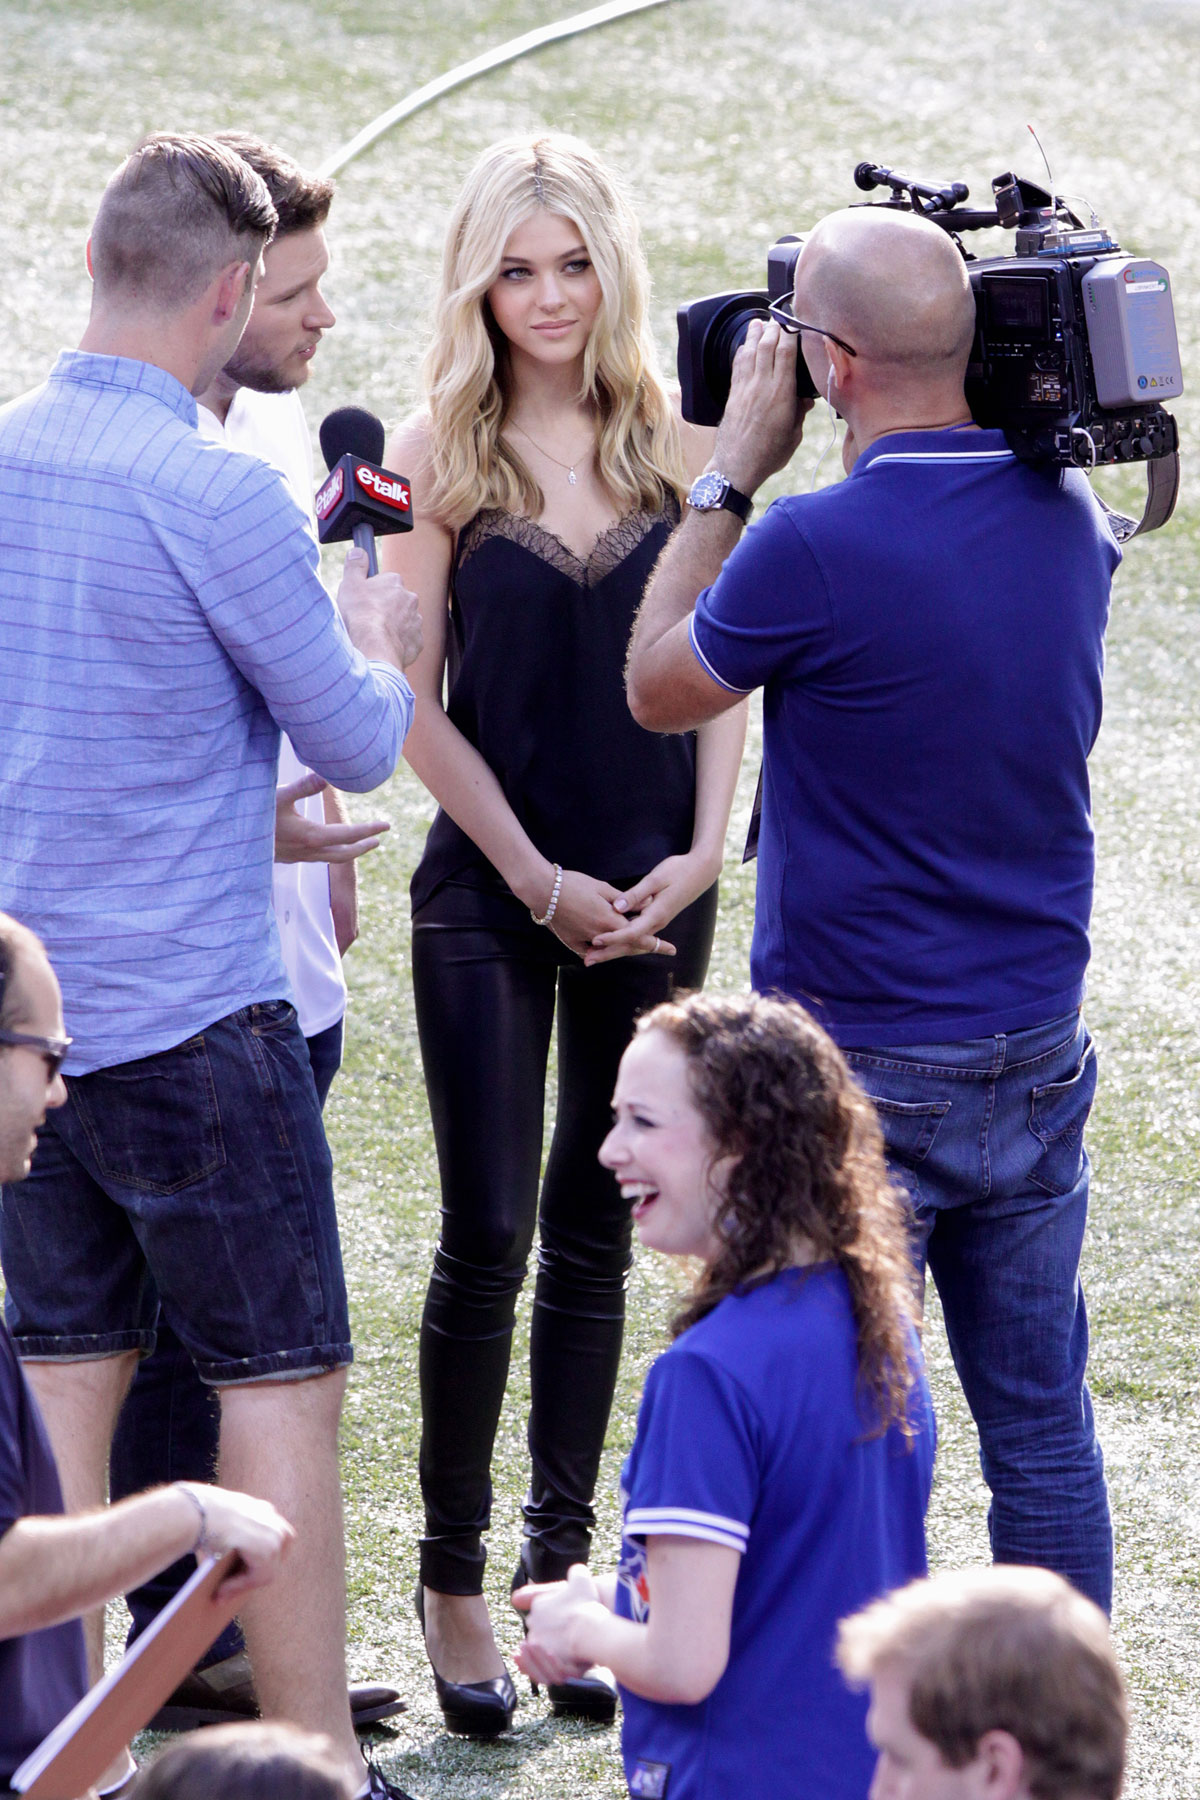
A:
(168, 1428)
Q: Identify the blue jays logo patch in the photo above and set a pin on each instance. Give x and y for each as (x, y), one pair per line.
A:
(649, 1781)
(633, 1575)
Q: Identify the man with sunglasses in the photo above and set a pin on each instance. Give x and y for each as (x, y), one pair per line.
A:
(52, 1567)
(928, 635)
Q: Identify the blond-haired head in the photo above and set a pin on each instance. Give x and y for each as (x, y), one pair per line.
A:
(1002, 1651)
(467, 375)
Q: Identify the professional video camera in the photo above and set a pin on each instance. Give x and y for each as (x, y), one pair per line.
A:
(1075, 346)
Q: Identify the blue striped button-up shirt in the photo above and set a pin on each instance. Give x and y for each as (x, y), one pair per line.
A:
(161, 619)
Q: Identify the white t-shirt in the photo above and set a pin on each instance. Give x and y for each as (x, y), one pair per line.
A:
(273, 427)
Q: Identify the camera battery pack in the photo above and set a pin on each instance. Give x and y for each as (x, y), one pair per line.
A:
(1131, 332)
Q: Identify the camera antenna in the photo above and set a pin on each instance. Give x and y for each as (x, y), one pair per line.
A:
(1059, 198)
(1049, 177)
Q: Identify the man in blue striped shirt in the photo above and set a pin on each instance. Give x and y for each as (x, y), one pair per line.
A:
(161, 619)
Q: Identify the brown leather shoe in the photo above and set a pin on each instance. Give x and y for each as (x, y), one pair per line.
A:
(223, 1694)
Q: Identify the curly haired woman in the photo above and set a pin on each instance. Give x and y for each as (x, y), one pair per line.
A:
(784, 1448)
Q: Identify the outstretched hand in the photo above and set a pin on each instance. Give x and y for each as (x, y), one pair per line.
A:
(298, 839)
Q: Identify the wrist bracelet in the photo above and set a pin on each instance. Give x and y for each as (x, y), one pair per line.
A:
(201, 1543)
(549, 912)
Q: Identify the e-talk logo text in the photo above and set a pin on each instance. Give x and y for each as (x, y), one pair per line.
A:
(390, 490)
(329, 495)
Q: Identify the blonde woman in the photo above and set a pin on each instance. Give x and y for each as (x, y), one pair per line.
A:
(572, 865)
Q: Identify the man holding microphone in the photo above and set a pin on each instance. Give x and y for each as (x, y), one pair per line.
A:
(161, 620)
(168, 1426)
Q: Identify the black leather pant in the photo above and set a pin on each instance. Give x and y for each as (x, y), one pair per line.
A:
(485, 981)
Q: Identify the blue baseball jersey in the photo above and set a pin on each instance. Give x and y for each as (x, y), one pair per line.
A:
(928, 635)
(752, 1434)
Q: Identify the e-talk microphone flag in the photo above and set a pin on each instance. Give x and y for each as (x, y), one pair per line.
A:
(360, 500)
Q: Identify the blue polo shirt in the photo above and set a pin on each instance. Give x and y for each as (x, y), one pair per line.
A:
(929, 638)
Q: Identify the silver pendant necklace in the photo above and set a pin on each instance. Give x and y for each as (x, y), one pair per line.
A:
(569, 467)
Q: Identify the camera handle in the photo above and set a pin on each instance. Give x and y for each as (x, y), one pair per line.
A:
(871, 175)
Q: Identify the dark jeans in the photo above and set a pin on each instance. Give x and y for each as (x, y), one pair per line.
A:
(486, 982)
(170, 1423)
(987, 1137)
(195, 1182)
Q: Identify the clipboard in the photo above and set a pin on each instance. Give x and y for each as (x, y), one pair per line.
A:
(81, 1746)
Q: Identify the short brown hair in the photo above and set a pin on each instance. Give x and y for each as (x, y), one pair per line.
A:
(178, 210)
(260, 1760)
(302, 201)
(1002, 1649)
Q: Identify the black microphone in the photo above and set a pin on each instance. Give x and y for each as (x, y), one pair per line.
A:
(361, 498)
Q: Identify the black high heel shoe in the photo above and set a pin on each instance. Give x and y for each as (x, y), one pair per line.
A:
(592, 1696)
(471, 1708)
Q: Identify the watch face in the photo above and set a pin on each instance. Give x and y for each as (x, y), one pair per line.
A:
(707, 492)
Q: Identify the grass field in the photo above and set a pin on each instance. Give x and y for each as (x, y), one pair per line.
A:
(733, 124)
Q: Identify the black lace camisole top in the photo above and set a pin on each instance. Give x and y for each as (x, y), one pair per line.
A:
(536, 683)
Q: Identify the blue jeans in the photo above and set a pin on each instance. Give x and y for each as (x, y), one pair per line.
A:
(170, 1424)
(198, 1178)
(986, 1135)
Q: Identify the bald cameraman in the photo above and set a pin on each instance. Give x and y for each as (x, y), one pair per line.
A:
(929, 638)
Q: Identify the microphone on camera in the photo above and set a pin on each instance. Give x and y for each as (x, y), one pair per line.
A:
(361, 499)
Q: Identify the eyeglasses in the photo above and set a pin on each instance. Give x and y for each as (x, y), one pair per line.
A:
(53, 1049)
(781, 312)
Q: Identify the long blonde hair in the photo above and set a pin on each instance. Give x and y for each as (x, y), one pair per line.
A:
(467, 375)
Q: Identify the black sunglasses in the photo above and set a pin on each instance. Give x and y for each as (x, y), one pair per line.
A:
(53, 1049)
(781, 312)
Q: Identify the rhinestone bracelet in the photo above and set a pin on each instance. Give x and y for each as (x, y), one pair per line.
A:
(548, 915)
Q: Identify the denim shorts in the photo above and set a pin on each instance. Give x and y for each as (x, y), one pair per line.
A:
(200, 1179)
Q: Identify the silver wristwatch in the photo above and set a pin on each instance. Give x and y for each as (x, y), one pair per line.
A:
(712, 492)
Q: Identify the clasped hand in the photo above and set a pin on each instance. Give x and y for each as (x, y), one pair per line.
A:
(600, 923)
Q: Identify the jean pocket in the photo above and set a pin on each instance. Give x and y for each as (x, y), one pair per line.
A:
(153, 1125)
(1058, 1113)
(910, 1126)
(267, 1017)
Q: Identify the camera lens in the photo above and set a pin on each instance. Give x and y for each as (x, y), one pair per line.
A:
(726, 335)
